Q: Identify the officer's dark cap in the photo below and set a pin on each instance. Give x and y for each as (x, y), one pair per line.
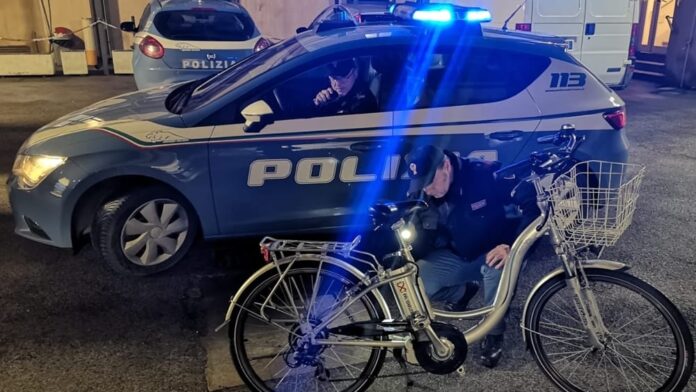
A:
(342, 67)
(421, 164)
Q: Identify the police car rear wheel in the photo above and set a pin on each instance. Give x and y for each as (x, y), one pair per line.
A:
(144, 232)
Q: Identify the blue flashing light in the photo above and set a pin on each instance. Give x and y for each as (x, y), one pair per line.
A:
(391, 8)
(478, 16)
(439, 15)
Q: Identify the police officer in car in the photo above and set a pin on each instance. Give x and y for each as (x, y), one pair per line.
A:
(466, 233)
(347, 94)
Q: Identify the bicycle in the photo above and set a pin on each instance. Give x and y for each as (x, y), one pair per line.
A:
(315, 316)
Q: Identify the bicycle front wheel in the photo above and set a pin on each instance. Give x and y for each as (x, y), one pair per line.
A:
(648, 346)
(269, 325)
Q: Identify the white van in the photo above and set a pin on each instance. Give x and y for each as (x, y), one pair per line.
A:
(600, 33)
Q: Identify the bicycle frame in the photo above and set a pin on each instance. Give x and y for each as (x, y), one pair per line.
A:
(422, 311)
(414, 305)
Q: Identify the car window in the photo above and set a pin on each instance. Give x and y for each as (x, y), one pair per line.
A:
(244, 71)
(345, 84)
(464, 75)
(292, 95)
(144, 17)
(322, 16)
(204, 25)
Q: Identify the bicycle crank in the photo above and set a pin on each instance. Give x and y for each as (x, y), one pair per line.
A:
(433, 363)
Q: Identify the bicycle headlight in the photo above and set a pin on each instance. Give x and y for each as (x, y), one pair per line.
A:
(407, 233)
(30, 170)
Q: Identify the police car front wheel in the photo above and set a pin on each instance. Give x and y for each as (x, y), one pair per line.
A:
(145, 231)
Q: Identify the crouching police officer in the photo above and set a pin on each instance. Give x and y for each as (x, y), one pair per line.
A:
(466, 232)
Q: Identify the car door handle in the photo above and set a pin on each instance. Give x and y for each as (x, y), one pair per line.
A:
(506, 136)
(366, 146)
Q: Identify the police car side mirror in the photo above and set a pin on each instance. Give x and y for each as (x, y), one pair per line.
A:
(128, 26)
(301, 30)
(257, 116)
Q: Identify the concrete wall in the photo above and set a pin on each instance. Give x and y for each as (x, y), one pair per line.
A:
(280, 18)
(17, 23)
(23, 19)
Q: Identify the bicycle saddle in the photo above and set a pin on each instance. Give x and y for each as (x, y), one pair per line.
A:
(391, 212)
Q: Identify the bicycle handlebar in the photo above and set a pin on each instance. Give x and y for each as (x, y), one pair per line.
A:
(551, 159)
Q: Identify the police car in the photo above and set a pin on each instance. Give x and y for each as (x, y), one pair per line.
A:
(247, 152)
(180, 40)
(357, 11)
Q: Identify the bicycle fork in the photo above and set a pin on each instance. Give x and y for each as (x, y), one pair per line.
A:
(586, 303)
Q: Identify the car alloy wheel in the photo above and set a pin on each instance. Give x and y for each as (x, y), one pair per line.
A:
(154, 232)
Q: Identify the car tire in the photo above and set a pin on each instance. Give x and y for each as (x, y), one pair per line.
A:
(145, 231)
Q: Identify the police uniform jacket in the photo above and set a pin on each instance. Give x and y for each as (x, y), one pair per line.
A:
(477, 213)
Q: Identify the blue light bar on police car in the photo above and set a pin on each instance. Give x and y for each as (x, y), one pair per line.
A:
(443, 15)
(478, 15)
(439, 13)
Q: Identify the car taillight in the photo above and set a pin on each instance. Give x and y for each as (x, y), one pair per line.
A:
(523, 26)
(632, 46)
(261, 44)
(150, 47)
(616, 118)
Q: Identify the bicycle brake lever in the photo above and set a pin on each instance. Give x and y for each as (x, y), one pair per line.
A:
(547, 214)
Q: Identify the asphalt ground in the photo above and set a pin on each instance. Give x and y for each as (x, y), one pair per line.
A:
(67, 323)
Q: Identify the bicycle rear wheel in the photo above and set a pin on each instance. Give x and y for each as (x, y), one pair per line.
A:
(267, 346)
(649, 346)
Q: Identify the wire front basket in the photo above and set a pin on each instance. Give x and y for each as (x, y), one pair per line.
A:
(593, 203)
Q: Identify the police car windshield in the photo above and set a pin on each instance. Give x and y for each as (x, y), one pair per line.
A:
(244, 71)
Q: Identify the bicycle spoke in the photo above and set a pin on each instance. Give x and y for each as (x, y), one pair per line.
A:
(652, 347)
(638, 358)
(562, 328)
(260, 318)
(567, 352)
(576, 355)
(345, 366)
(651, 333)
(277, 309)
(282, 351)
(283, 378)
(560, 340)
(570, 376)
(634, 319)
(632, 367)
(606, 374)
(625, 376)
(300, 295)
(564, 314)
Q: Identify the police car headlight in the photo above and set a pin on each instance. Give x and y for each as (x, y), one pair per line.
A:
(30, 170)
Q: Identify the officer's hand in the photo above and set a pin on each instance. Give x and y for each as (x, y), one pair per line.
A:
(498, 256)
(323, 96)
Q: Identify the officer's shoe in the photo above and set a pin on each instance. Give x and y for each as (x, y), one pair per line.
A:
(491, 350)
(460, 306)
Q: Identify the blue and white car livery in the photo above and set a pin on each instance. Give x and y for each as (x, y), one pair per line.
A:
(246, 152)
(182, 40)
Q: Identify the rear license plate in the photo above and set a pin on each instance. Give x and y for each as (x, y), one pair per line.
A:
(206, 64)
